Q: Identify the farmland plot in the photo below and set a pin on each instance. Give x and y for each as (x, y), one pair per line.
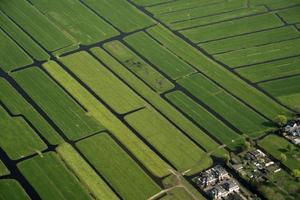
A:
(167, 139)
(270, 70)
(233, 28)
(86, 27)
(19, 106)
(150, 160)
(218, 73)
(149, 3)
(17, 138)
(11, 56)
(291, 15)
(205, 119)
(3, 169)
(241, 116)
(22, 38)
(193, 131)
(159, 56)
(273, 5)
(138, 66)
(52, 179)
(102, 82)
(134, 19)
(66, 114)
(118, 168)
(86, 175)
(36, 24)
(11, 189)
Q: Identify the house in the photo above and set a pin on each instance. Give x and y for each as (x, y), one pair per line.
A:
(293, 129)
(231, 186)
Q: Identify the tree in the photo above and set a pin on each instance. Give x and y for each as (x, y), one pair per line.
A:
(296, 173)
(282, 157)
(246, 146)
(290, 148)
(226, 158)
(281, 120)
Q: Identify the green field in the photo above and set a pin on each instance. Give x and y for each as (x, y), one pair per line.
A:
(117, 167)
(11, 189)
(290, 16)
(66, 113)
(3, 169)
(52, 179)
(17, 138)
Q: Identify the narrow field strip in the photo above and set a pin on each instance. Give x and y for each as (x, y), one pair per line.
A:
(149, 3)
(22, 38)
(85, 173)
(273, 5)
(138, 66)
(116, 166)
(218, 73)
(3, 169)
(36, 24)
(51, 178)
(62, 109)
(73, 17)
(12, 190)
(97, 110)
(102, 82)
(168, 140)
(156, 101)
(205, 119)
(17, 137)
(291, 15)
(17, 105)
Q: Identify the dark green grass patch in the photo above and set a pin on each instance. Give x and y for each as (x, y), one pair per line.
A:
(11, 190)
(116, 166)
(62, 109)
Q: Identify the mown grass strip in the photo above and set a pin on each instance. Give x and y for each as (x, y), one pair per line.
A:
(149, 3)
(241, 116)
(276, 145)
(11, 189)
(17, 137)
(134, 19)
(168, 140)
(11, 56)
(61, 108)
(138, 66)
(97, 110)
(260, 54)
(271, 70)
(52, 179)
(159, 103)
(17, 105)
(158, 55)
(273, 5)
(74, 18)
(22, 38)
(233, 27)
(36, 24)
(86, 175)
(3, 169)
(205, 119)
(102, 82)
(125, 176)
(251, 40)
(218, 73)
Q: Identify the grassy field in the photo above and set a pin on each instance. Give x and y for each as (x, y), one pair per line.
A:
(270, 70)
(36, 24)
(204, 140)
(3, 169)
(150, 160)
(138, 66)
(66, 113)
(135, 19)
(275, 145)
(11, 56)
(22, 38)
(205, 119)
(251, 40)
(159, 56)
(290, 16)
(233, 27)
(241, 116)
(19, 106)
(181, 152)
(86, 27)
(102, 82)
(17, 138)
(52, 179)
(11, 189)
(117, 167)
(149, 3)
(86, 175)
